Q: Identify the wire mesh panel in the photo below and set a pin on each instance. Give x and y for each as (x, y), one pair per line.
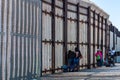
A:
(59, 34)
(72, 27)
(46, 59)
(46, 37)
(111, 40)
(58, 56)
(83, 35)
(92, 37)
(118, 43)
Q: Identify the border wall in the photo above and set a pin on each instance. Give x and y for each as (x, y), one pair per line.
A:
(35, 36)
(67, 24)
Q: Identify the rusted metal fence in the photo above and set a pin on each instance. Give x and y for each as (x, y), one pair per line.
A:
(67, 24)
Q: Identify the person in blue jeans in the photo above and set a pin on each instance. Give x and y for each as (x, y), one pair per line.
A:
(77, 59)
(71, 56)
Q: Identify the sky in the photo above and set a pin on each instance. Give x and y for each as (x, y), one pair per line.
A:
(112, 8)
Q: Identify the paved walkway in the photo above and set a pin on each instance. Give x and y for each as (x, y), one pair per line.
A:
(102, 73)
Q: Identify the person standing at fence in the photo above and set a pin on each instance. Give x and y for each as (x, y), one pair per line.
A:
(99, 58)
(113, 55)
(77, 58)
(71, 56)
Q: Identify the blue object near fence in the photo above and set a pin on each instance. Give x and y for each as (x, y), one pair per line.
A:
(65, 68)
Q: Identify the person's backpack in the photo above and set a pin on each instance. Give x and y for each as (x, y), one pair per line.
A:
(98, 57)
(64, 68)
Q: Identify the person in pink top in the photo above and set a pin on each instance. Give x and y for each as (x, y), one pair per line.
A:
(99, 57)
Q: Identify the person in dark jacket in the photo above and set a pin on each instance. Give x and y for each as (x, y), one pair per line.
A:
(71, 56)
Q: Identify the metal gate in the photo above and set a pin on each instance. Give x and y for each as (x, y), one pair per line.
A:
(20, 39)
